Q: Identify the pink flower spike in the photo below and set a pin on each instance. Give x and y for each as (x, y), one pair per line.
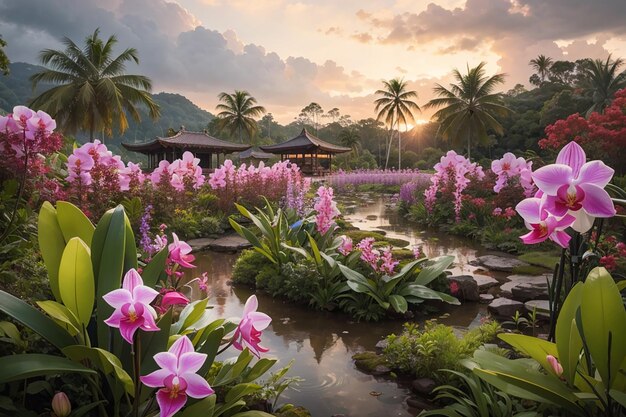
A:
(132, 306)
(248, 333)
(554, 363)
(178, 377)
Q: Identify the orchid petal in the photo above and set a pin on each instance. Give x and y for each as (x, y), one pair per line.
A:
(190, 362)
(117, 298)
(168, 405)
(597, 201)
(573, 156)
(561, 238)
(533, 237)
(260, 321)
(115, 319)
(167, 360)
(251, 305)
(583, 222)
(530, 209)
(180, 346)
(132, 279)
(550, 177)
(155, 379)
(128, 329)
(197, 387)
(596, 173)
(144, 295)
(149, 324)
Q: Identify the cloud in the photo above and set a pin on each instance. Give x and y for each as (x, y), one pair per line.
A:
(463, 44)
(362, 37)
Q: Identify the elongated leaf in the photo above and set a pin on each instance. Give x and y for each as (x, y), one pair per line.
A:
(190, 314)
(604, 323)
(29, 365)
(210, 347)
(74, 223)
(568, 340)
(430, 272)
(107, 254)
(241, 390)
(62, 314)
(35, 320)
(314, 249)
(155, 268)
(618, 396)
(259, 368)
(155, 342)
(76, 282)
(51, 244)
(536, 348)
(202, 408)
(105, 361)
(130, 249)
(398, 303)
(421, 291)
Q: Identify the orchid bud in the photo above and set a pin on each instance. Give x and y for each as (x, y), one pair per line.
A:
(61, 405)
(556, 366)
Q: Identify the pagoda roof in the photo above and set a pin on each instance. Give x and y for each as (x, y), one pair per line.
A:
(254, 153)
(304, 143)
(184, 139)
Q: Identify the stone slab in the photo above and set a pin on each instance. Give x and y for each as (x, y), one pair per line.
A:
(505, 307)
(499, 263)
(515, 280)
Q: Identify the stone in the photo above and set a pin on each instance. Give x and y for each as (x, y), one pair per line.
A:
(529, 291)
(371, 217)
(229, 243)
(506, 289)
(467, 287)
(200, 244)
(505, 307)
(486, 298)
(423, 386)
(542, 306)
(500, 263)
(485, 282)
(294, 412)
(419, 404)
(381, 345)
(380, 370)
(371, 363)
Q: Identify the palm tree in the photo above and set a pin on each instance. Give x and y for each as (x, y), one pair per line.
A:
(602, 80)
(350, 138)
(237, 111)
(395, 107)
(541, 65)
(93, 92)
(470, 107)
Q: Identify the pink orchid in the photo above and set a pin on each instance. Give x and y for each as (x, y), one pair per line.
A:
(171, 298)
(346, 245)
(388, 264)
(417, 252)
(248, 333)
(178, 377)
(8, 124)
(576, 187)
(543, 225)
(21, 114)
(132, 306)
(180, 253)
(203, 282)
(41, 122)
(555, 365)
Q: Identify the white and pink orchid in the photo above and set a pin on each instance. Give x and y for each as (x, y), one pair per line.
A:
(248, 333)
(542, 224)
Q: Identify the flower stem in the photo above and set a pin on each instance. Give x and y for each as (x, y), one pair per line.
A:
(136, 352)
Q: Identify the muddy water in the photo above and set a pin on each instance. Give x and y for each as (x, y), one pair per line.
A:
(322, 344)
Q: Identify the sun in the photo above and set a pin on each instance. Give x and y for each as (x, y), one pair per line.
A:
(418, 122)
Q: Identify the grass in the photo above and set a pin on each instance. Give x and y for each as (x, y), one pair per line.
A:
(381, 240)
(543, 259)
(529, 270)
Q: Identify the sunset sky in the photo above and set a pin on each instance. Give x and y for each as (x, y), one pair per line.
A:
(290, 53)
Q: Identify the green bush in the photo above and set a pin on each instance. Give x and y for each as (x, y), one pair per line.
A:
(295, 282)
(185, 224)
(211, 225)
(247, 267)
(422, 353)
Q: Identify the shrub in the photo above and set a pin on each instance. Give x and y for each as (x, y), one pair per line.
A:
(422, 353)
(247, 267)
(211, 225)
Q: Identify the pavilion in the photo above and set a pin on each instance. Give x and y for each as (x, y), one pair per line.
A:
(254, 155)
(313, 155)
(201, 144)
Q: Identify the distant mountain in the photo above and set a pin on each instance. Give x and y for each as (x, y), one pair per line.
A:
(176, 110)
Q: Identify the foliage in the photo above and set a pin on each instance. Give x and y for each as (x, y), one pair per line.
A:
(247, 266)
(423, 352)
(602, 80)
(236, 112)
(583, 372)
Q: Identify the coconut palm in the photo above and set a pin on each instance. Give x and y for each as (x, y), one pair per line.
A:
(470, 107)
(601, 81)
(93, 92)
(395, 107)
(350, 138)
(237, 111)
(541, 65)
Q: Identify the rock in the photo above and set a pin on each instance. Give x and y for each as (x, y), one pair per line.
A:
(380, 370)
(486, 298)
(542, 306)
(200, 244)
(485, 282)
(295, 412)
(419, 404)
(467, 287)
(529, 291)
(381, 346)
(371, 217)
(229, 243)
(371, 363)
(505, 307)
(516, 280)
(500, 263)
(423, 386)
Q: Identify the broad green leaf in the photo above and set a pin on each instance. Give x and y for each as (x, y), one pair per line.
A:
(568, 340)
(210, 347)
(231, 371)
(241, 390)
(61, 313)
(221, 409)
(74, 223)
(262, 366)
(604, 323)
(536, 348)
(107, 255)
(202, 408)
(618, 396)
(155, 342)
(76, 282)
(155, 268)
(35, 320)
(314, 249)
(432, 271)
(130, 250)
(8, 329)
(51, 244)
(190, 314)
(398, 303)
(29, 365)
(105, 361)
(421, 291)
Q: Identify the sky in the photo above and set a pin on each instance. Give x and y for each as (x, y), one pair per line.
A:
(288, 54)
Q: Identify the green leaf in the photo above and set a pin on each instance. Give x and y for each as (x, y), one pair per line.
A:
(432, 271)
(262, 366)
(210, 347)
(107, 255)
(202, 408)
(62, 314)
(314, 249)
(190, 314)
(398, 303)
(421, 291)
(568, 340)
(152, 272)
(240, 390)
(35, 320)
(604, 323)
(105, 361)
(618, 396)
(29, 365)
(621, 285)
(155, 342)
(536, 348)
(130, 250)
(51, 244)
(74, 223)
(76, 282)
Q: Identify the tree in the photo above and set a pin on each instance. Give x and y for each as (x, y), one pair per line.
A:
(313, 112)
(395, 107)
(93, 92)
(602, 80)
(333, 114)
(541, 65)
(237, 112)
(470, 107)
(350, 138)
(4, 60)
(267, 120)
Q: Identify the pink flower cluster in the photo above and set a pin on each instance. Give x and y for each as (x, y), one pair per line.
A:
(507, 213)
(454, 171)
(380, 261)
(326, 209)
(92, 160)
(346, 245)
(181, 174)
(571, 193)
(509, 168)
